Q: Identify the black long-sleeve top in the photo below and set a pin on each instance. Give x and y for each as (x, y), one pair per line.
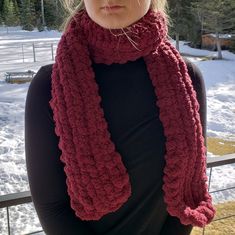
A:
(129, 105)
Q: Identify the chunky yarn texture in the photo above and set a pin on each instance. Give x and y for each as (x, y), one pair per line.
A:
(97, 180)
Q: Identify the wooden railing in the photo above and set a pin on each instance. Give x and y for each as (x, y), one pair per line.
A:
(14, 199)
(215, 162)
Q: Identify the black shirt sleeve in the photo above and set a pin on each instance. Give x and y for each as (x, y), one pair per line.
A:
(199, 87)
(45, 170)
(172, 226)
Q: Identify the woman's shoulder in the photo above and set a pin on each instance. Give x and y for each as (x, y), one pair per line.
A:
(43, 74)
(45, 71)
(41, 81)
(46, 68)
(39, 91)
(194, 72)
(196, 78)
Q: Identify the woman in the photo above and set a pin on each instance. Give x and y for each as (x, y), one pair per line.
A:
(114, 137)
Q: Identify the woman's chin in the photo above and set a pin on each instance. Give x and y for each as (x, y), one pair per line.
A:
(113, 23)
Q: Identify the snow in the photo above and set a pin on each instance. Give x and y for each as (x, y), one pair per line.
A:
(219, 77)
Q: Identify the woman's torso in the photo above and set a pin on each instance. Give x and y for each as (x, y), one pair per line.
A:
(129, 105)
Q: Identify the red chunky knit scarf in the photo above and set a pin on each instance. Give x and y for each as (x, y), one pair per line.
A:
(98, 182)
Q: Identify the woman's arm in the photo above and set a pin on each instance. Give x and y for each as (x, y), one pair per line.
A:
(199, 87)
(172, 225)
(46, 176)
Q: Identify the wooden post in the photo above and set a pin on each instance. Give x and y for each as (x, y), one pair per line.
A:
(52, 52)
(23, 52)
(43, 16)
(34, 56)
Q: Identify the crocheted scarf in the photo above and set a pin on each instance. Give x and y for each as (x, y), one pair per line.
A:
(97, 180)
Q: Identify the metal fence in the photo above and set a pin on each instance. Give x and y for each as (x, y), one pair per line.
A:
(14, 199)
(215, 162)
(11, 53)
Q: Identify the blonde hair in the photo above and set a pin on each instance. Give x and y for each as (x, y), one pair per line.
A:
(73, 6)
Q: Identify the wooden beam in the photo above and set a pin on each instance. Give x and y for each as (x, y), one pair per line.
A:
(14, 199)
(221, 160)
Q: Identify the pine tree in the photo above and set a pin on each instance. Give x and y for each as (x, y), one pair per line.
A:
(28, 16)
(60, 14)
(1, 18)
(216, 16)
(17, 11)
(50, 13)
(228, 20)
(10, 13)
(182, 20)
(1, 7)
(54, 14)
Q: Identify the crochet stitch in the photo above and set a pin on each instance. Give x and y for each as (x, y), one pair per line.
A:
(97, 180)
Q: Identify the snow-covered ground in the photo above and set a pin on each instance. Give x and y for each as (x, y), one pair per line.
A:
(16, 54)
(219, 77)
